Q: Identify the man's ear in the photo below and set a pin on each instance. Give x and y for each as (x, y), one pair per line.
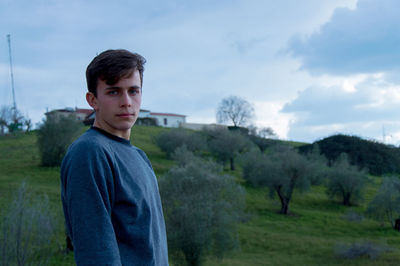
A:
(91, 100)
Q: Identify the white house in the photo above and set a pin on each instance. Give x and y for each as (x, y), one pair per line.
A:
(168, 120)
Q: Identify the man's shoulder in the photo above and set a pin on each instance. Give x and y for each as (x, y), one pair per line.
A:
(89, 141)
(143, 155)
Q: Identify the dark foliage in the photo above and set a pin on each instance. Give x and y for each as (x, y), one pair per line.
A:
(378, 158)
(54, 137)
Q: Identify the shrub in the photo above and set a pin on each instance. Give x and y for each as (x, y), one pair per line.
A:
(54, 137)
(361, 249)
(227, 144)
(202, 209)
(386, 204)
(346, 181)
(169, 140)
(26, 230)
(282, 170)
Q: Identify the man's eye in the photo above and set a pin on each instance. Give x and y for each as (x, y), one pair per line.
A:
(112, 92)
(134, 91)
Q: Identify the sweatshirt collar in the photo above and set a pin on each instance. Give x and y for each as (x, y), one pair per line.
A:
(109, 135)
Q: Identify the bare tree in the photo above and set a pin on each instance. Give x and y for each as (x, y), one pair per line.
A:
(266, 132)
(5, 116)
(10, 119)
(236, 110)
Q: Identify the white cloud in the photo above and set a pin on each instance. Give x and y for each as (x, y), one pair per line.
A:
(320, 111)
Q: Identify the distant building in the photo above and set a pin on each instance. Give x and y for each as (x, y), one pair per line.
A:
(66, 112)
(145, 117)
(168, 120)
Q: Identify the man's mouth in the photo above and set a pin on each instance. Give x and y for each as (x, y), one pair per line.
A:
(125, 115)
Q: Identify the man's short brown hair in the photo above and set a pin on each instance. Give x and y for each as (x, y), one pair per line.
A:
(112, 65)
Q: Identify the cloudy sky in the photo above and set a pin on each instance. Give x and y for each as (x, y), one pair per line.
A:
(310, 68)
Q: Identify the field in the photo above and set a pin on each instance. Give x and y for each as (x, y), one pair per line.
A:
(308, 236)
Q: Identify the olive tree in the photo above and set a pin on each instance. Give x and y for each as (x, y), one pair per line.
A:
(226, 145)
(236, 110)
(386, 204)
(171, 139)
(282, 170)
(202, 209)
(345, 181)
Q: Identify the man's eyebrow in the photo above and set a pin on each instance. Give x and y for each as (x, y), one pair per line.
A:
(118, 88)
(113, 88)
(135, 87)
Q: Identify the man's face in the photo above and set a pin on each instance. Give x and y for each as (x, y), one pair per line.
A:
(117, 106)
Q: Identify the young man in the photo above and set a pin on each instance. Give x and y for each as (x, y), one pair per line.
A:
(109, 191)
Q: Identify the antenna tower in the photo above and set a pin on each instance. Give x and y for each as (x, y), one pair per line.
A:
(12, 74)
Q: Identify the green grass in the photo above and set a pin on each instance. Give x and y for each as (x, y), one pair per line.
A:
(307, 236)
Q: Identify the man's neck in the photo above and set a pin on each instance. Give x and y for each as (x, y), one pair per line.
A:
(125, 134)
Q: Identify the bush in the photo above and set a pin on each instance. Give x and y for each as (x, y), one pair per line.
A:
(386, 204)
(54, 137)
(169, 140)
(346, 181)
(282, 170)
(361, 249)
(26, 231)
(202, 209)
(227, 144)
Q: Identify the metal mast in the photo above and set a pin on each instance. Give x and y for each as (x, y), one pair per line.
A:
(12, 75)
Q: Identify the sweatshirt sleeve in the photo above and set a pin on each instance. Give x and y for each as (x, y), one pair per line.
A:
(87, 197)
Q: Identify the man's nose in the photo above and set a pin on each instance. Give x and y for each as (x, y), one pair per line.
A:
(126, 100)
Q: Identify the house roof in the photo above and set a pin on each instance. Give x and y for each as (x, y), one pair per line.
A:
(167, 114)
(84, 111)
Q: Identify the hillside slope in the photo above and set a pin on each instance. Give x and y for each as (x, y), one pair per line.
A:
(308, 236)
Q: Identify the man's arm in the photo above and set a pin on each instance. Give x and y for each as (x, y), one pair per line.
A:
(87, 195)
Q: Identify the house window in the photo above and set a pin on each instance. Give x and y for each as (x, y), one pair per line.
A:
(165, 122)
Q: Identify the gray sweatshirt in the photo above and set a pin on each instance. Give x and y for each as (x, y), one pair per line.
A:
(111, 203)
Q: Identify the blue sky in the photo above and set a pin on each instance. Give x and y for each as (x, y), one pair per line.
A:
(311, 68)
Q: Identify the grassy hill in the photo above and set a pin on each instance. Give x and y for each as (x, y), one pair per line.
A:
(308, 236)
(378, 158)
